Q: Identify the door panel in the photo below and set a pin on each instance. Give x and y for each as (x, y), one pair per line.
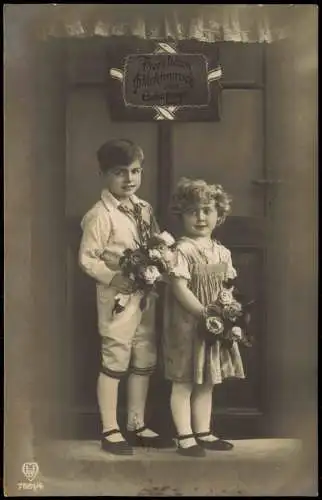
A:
(84, 339)
(229, 152)
(88, 126)
(246, 393)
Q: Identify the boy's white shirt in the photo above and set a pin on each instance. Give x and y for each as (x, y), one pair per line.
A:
(105, 227)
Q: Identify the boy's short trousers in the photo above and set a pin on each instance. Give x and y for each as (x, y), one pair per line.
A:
(127, 338)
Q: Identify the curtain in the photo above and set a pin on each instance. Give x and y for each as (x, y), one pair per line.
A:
(207, 23)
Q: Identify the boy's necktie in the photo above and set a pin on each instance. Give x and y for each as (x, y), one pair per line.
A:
(135, 213)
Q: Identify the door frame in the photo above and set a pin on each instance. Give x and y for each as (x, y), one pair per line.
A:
(249, 423)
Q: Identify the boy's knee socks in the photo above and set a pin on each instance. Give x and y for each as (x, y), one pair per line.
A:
(137, 394)
(107, 393)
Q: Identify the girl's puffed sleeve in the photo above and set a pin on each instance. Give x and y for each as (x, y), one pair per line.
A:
(181, 266)
(231, 272)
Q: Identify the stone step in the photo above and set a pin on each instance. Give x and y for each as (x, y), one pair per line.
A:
(258, 467)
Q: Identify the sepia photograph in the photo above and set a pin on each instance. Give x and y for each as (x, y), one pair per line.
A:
(160, 250)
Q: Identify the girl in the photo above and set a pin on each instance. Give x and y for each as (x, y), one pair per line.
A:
(194, 367)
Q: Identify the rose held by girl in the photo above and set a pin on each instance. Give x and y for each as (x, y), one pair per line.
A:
(150, 275)
(214, 325)
(232, 311)
(226, 296)
(237, 332)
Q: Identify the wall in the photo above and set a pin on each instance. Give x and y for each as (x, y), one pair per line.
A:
(34, 230)
(19, 345)
(292, 157)
(48, 230)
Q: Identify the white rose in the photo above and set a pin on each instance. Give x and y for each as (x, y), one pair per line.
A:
(121, 299)
(237, 332)
(168, 255)
(166, 238)
(155, 254)
(226, 296)
(214, 325)
(151, 274)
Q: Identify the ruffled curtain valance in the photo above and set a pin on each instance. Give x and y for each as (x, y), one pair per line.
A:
(207, 23)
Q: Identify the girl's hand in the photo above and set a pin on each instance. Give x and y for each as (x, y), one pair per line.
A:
(203, 313)
(186, 297)
(122, 284)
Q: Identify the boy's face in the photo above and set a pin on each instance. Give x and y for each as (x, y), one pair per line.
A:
(200, 221)
(123, 181)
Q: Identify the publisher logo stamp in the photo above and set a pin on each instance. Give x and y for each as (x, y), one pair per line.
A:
(30, 470)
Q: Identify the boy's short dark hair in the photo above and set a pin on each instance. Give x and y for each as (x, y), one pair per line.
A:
(118, 152)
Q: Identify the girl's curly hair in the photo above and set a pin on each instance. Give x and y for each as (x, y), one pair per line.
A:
(190, 193)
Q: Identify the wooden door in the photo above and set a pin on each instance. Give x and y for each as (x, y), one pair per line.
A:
(231, 152)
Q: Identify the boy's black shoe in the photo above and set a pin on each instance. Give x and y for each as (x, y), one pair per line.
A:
(117, 448)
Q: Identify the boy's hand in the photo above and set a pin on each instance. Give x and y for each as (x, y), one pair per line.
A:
(111, 259)
(122, 284)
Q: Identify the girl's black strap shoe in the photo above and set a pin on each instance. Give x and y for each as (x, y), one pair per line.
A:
(117, 448)
(191, 451)
(218, 445)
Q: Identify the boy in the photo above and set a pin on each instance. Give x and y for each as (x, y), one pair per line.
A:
(115, 223)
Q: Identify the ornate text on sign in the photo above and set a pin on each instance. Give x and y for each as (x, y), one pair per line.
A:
(166, 80)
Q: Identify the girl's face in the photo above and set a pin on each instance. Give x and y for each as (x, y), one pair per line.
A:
(201, 220)
(124, 181)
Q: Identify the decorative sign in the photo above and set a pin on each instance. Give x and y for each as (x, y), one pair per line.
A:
(166, 80)
(167, 84)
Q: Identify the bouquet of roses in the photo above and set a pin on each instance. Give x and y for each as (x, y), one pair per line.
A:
(227, 320)
(145, 267)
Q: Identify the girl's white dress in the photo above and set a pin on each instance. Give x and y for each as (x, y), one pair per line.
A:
(187, 357)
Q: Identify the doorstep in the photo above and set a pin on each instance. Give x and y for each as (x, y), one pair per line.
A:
(257, 467)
